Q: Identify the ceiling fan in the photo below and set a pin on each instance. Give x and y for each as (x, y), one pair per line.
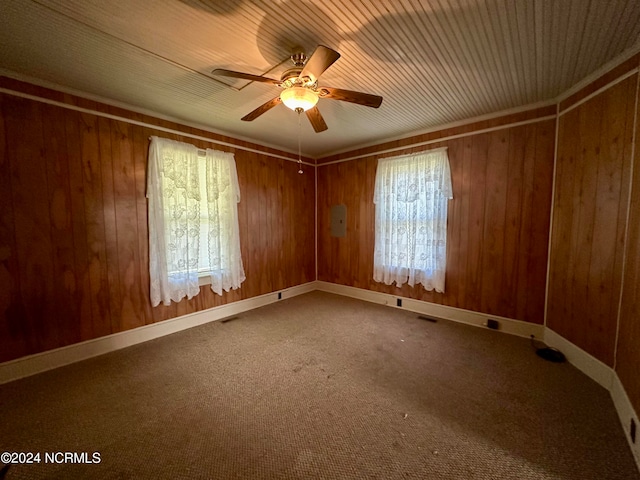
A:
(300, 90)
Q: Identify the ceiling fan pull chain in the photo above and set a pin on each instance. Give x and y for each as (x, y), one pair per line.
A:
(299, 110)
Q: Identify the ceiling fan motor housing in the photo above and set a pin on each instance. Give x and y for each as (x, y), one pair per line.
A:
(290, 76)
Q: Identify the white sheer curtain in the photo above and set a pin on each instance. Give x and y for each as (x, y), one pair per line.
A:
(173, 189)
(223, 247)
(193, 221)
(411, 194)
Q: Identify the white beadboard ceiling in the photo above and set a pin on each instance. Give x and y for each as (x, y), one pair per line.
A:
(434, 61)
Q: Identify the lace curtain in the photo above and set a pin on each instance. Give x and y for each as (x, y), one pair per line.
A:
(193, 221)
(411, 194)
(223, 233)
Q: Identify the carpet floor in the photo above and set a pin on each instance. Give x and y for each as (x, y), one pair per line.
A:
(318, 386)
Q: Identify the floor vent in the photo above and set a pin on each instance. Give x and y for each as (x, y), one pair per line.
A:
(493, 324)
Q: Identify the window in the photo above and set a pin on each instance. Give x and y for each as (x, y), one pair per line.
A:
(411, 195)
(193, 221)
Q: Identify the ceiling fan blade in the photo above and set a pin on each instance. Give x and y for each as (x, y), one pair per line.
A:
(262, 109)
(321, 59)
(360, 98)
(245, 76)
(314, 116)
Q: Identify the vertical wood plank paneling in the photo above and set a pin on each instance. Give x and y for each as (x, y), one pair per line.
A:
(256, 216)
(607, 244)
(454, 250)
(289, 216)
(64, 268)
(346, 196)
(544, 145)
(263, 227)
(269, 273)
(270, 218)
(302, 220)
(27, 169)
(260, 225)
(279, 210)
(473, 278)
(94, 217)
(74, 253)
(308, 231)
(12, 324)
(563, 213)
(335, 243)
(369, 245)
(463, 153)
(493, 174)
(82, 295)
(357, 264)
(584, 204)
(622, 148)
(301, 225)
(140, 151)
(497, 182)
(594, 145)
(126, 216)
(105, 160)
(526, 218)
(514, 219)
(244, 219)
(324, 259)
(628, 353)
(352, 196)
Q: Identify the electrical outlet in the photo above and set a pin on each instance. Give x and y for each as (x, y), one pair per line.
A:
(632, 431)
(399, 302)
(279, 295)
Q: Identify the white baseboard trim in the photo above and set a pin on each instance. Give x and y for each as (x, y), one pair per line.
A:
(625, 413)
(583, 361)
(507, 325)
(41, 362)
(605, 376)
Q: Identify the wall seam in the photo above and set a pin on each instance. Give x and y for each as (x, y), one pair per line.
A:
(551, 212)
(626, 227)
(602, 89)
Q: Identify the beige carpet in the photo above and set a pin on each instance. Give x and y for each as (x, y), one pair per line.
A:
(319, 386)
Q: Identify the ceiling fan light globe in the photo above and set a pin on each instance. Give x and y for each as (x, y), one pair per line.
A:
(299, 97)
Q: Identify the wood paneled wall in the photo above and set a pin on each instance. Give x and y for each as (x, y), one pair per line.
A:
(589, 219)
(73, 224)
(497, 229)
(628, 351)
